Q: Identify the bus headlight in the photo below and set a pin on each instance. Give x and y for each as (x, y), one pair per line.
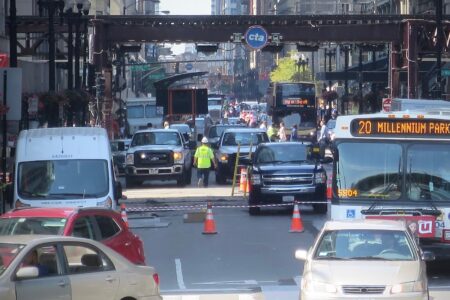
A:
(318, 287)
(129, 159)
(178, 157)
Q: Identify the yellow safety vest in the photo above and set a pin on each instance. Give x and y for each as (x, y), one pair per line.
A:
(204, 155)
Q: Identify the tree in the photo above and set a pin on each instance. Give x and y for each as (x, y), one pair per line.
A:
(285, 71)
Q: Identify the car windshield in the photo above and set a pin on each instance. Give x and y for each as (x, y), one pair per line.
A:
(32, 225)
(244, 138)
(156, 138)
(282, 152)
(7, 254)
(216, 131)
(181, 128)
(63, 179)
(378, 171)
(360, 244)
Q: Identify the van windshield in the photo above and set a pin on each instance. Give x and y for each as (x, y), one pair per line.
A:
(63, 179)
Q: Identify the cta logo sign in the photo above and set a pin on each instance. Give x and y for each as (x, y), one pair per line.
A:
(425, 227)
(256, 37)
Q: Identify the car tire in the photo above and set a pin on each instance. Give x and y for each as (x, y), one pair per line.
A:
(182, 181)
(220, 179)
(253, 211)
(321, 208)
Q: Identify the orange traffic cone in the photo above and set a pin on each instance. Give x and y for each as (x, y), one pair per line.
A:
(296, 223)
(329, 190)
(123, 214)
(210, 224)
(243, 180)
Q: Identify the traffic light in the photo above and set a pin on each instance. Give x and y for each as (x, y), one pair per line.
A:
(99, 86)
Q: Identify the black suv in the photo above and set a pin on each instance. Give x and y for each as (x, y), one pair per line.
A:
(284, 173)
(227, 147)
(158, 154)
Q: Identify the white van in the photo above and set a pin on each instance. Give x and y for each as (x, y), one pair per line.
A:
(65, 167)
(141, 111)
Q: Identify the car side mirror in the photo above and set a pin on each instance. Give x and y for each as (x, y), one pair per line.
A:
(246, 160)
(12, 151)
(326, 160)
(27, 273)
(428, 256)
(121, 146)
(301, 254)
(199, 137)
(192, 145)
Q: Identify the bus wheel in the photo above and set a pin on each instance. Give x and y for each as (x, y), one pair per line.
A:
(320, 208)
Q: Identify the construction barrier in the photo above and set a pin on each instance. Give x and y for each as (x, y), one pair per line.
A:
(123, 214)
(243, 183)
(296, 223)
(209, 225)
(329, 189)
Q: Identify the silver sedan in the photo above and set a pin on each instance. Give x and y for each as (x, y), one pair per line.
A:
(68, 268)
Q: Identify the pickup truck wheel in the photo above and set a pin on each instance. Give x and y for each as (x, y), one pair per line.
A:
(182, 180)
(253, 211)
(320, 208)
(189, 176)
(129, 182)
(220, 179)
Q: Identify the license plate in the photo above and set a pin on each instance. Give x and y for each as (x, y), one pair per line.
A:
(288, 199)
(153, 171)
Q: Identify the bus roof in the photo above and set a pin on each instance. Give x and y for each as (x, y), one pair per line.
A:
(413, 125)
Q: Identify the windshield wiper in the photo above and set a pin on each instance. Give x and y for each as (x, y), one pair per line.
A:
(30, 194)
(331, 258)
(80, 195)
(367, 257)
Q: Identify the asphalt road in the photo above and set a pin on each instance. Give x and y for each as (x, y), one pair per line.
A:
(253, 255)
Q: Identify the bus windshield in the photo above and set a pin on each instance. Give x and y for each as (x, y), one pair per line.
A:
(63, 179)
(378, 170)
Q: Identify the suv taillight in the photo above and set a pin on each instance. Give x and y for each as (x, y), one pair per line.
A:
(156, 278)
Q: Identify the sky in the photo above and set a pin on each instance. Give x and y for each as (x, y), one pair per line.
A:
(185, 7)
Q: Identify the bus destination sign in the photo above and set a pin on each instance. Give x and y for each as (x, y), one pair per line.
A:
(378, 127)
(295, 102)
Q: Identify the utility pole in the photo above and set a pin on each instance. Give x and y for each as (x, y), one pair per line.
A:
(12, 34)
(439, 37)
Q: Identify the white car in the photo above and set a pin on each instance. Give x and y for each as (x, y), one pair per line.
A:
(364, 259)
(55, 267)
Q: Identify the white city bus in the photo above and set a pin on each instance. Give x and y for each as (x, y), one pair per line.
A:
(395, 165)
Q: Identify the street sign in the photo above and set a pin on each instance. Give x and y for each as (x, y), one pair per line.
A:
(387, 104)
(256, 37)
(189, 66)
(445, 72)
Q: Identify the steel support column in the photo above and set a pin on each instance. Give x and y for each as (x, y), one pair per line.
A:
(394, 70)
(12, 34)
(410, 58)
(99, 47)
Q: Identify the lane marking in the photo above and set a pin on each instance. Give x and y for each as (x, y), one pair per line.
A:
(179, 274)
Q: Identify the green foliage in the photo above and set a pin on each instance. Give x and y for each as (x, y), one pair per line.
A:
(288, 71)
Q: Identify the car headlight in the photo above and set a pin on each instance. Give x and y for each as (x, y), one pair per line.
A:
(319, 287)
(408, 287)
(130, 159)
(178, 156)
(256, 179)
(321, 178)
(312, 133)
(223, 158)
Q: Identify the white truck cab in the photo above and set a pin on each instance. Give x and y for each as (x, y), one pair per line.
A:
(65, 167)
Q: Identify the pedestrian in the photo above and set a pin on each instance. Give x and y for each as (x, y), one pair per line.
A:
(282, 133)
(322, 139)
(272, 133)
(203, 158)
(166, 125)
(294, 133)
(263, 125)
(149, 125)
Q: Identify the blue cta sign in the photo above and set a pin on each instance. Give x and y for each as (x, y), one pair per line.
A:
(256, 37)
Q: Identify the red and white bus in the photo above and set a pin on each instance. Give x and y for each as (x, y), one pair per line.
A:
(395, 165)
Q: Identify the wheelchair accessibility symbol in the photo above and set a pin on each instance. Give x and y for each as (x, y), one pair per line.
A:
(350, 213)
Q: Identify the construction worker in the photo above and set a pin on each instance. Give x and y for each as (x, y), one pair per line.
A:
(202, 160)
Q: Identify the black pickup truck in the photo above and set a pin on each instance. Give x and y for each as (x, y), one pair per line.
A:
(284, 173)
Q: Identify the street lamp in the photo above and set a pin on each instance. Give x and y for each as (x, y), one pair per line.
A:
(74, 10)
